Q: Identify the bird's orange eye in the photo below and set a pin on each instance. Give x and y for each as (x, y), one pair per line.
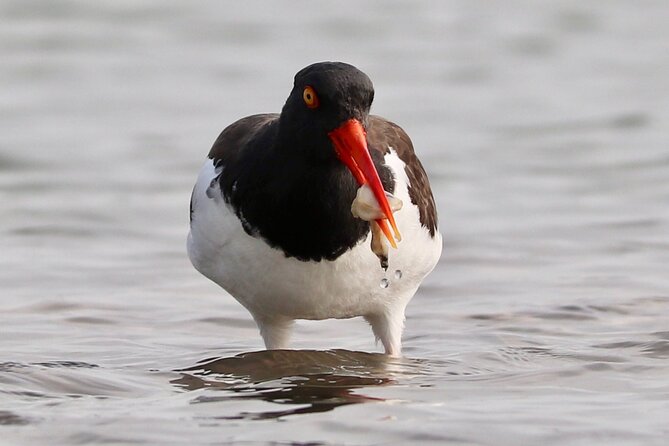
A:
(310, 97)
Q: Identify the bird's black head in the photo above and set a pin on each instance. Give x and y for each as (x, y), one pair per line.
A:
(324, 96)
(324, 121)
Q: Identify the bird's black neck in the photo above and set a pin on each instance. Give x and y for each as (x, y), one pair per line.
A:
(299, 204)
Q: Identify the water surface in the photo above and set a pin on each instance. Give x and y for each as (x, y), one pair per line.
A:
(543, 127)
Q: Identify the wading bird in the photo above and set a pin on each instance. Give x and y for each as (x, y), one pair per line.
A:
(292, 213)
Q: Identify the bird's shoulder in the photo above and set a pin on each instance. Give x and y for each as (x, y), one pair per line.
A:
(384, 135)
(237, 135)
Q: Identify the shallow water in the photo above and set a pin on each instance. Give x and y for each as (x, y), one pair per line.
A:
(544, 131)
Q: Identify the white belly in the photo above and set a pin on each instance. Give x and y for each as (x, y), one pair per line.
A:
(268, 283)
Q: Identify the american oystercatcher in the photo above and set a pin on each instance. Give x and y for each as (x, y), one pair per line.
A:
(292, 213)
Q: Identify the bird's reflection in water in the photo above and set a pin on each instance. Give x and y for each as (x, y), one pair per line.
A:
(318, 381)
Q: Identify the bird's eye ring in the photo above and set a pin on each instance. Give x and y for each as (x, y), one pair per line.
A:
(310, 97)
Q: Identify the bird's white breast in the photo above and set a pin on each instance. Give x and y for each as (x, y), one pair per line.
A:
(268, 283)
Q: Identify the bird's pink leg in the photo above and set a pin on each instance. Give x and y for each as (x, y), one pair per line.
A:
(387, 328)
(275, 332)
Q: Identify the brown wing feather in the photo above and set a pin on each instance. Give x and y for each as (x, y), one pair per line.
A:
(236, 135)
(233, 138)
(382, 134)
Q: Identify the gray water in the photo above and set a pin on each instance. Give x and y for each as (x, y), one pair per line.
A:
(543, 126)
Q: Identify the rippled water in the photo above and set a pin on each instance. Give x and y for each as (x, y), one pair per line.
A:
(543, 127)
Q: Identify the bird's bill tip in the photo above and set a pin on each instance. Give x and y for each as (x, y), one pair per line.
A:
(350, 143)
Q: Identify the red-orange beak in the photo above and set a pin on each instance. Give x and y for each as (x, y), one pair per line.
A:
(350, 143)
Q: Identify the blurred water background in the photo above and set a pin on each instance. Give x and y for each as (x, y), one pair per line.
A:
(543, 126)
